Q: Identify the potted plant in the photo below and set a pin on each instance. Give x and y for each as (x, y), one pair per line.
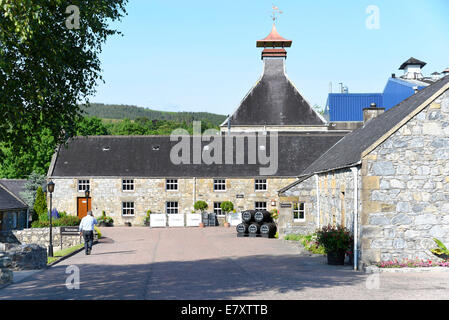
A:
(202, 206)
(441, 252)
(227, 206)
(336, 241)
(105, 221)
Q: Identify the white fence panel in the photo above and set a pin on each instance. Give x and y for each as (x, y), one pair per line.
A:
(193, 219)
(235, 218)
(176, 220)
(158, 220)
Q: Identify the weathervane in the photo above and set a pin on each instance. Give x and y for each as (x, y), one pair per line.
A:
(276, 10)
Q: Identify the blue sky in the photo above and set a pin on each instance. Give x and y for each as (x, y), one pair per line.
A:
(202, 56)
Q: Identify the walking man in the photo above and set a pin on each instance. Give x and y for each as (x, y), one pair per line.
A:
(87, 230)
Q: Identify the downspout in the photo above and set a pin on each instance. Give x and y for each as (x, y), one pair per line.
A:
(194, 191)
(317, 201)
(356, 216)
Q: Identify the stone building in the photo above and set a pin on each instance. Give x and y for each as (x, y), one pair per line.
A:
(387, 181)
(13, 208)
(273, 135)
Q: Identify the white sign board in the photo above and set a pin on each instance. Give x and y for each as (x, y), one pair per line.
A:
(193, 219)
(158, 220)
(176, 220)
(235, 218)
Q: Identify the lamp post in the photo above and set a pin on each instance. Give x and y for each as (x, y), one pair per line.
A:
(87, 193)
(51, 188)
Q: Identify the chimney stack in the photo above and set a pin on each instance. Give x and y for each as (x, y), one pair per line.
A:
(372, 112)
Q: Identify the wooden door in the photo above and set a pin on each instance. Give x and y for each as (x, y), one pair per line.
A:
(83, 207)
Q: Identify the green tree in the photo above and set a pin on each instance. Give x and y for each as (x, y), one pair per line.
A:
(201, 205)
(46, 68)
(91, 126)
(227, 206)
(40, 205)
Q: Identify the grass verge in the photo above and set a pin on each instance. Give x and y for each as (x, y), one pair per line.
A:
(62, 253)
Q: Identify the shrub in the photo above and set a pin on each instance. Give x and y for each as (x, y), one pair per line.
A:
(274, 214)
(40, 204)
(98, 232)
(67, 221)
(309, 242)
(334, 239)
(201, 205)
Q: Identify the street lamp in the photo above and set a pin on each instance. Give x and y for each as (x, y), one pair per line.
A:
(51, 188)
(87, 193)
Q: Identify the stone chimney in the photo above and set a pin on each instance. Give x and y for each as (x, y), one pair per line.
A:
(372, 112)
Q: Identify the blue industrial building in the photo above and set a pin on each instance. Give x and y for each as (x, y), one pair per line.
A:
(349, 107)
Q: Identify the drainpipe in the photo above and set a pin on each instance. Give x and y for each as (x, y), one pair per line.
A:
(356, 216)
(194, 191)
(317, 201)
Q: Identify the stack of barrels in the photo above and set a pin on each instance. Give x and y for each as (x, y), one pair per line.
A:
(256, 223)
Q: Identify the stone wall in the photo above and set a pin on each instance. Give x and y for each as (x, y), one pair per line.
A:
(302, 192)
(336, 202)
(151, 194)
(40, 236)
(406, 189)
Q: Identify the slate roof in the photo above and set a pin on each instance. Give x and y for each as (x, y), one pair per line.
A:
(348, 150)
(10, 194)
(274, 101)
(412, 61)
(149, 156)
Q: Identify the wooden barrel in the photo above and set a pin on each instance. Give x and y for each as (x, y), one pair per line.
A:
(242, 228)
(254, 228)
(248, 216)
(262, 216)
(268, 228)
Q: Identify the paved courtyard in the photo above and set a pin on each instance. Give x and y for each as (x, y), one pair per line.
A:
(212, 263)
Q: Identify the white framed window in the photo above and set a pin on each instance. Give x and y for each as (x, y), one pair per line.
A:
(260, 205)
(260, 184)
(171, 207)
(219, 184)
(128, 208)
(171, 184)
(217, 209)
(299, 212)
(128, 185)
(83, 185)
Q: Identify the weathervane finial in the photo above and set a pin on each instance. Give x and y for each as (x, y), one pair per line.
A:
(276, 11)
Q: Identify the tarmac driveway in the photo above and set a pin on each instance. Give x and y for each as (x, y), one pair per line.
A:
(212, 263)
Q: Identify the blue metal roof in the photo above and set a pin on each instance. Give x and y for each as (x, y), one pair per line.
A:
(398, 90)
(349, 106)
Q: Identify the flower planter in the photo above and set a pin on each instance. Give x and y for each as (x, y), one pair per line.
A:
(336, 258)
(105, 224)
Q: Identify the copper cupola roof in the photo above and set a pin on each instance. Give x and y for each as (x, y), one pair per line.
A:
(274, 40)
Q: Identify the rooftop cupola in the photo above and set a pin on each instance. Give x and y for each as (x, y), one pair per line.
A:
(412, 69)
(274, 45)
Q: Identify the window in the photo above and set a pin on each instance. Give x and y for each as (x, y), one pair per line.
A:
(128, 208)
(171, 207)
(83, 185)
(171, 184)
(260, 205)
(127, 185)
(299, 211)
(219, 185)
(217, 209)
(260, 184)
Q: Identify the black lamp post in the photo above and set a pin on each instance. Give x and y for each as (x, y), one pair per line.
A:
(51, 188)
(87, 193)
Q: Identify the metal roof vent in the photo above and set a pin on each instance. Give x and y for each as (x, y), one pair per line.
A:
(106, 148)
(156, 148)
